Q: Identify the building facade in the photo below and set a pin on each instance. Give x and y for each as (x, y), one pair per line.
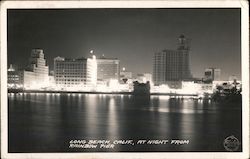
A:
(14, 79)
(125, 76)
(212, 74)
(75, 72)
(107, 69)
(172, 66)
(36, 75)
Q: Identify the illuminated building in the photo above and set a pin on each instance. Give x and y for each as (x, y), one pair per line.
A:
(36, 75)
(80, 72)
(125, 76)
(107, 69)
(172, 66)
(212, 74)
(91, 71)
(13, 76)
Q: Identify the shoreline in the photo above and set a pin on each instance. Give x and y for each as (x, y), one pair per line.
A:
(95, 92)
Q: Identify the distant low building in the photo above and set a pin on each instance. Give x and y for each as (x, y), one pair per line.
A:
(212, 74)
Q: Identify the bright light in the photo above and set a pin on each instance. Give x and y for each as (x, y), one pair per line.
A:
(114, 84)
(92, 71)
(190, 88)
(34, 84)
(160, 89)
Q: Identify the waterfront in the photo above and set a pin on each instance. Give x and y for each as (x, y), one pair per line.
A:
(46, 122)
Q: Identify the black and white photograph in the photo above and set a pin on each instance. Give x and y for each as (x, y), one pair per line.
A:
(129, 79)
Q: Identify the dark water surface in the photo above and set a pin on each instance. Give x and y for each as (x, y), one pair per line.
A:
(43, 122)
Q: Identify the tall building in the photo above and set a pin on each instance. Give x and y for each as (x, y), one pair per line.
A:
(172, 66)
(107, 69)
(212, 74)
(36, 75)
(80, 72)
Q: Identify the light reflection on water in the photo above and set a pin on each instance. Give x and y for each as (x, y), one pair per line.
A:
(54, 119)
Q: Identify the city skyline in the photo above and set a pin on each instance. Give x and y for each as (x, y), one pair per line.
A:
(129, 35)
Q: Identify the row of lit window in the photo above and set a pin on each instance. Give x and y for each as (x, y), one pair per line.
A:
(76, 80)
(76, 67)
(70, 64)
(71, 76)
(66, 83)
(13, 79)
(69, 73)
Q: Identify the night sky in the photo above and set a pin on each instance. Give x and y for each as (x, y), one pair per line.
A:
(131, 35)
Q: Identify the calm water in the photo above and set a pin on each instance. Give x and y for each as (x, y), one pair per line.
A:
(47, 122)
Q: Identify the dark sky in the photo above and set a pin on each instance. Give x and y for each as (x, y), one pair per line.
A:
(131, 35)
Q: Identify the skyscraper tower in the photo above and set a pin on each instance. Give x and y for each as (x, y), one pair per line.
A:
(171, 66)
(184, 66)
